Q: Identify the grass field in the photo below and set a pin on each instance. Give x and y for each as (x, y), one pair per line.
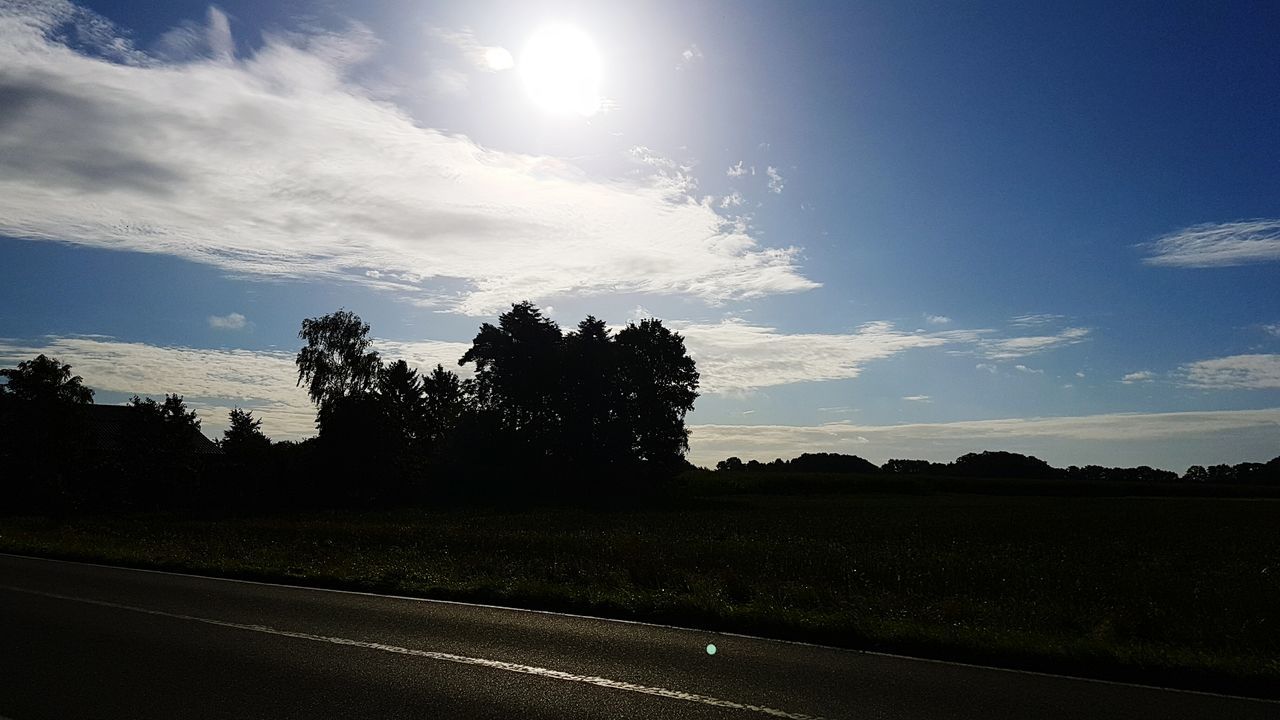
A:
(1165, 589)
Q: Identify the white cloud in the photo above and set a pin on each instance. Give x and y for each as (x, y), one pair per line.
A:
(775, 179)
(232, 321)
(733, 199)
(1027, 370)
(1079, 374)
(1237, 372)
(734, 356)
(985, 367)
(1140, 376)
(917, 398)
(738, 170)
(1111, 438)
(1218, 244)
(219, 163)
(192, 40)
(937, 319)
(1272, 329)
(691, 54)
(1017, 347)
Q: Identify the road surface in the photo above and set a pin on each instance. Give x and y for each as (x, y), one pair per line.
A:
(87, 641)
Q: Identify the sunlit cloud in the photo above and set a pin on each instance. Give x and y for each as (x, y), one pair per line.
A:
(1034, 320)
(737, 170)
(1109, 438)
(216, 161)
(232, 321)
(1140, 376)
(1237, 372)
(1218, 244)
(917, 398)
(937, 319)
(735, 356)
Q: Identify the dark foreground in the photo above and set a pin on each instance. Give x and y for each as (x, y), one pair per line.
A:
(89, 641)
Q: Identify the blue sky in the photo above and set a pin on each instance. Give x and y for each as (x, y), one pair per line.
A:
(891, 229)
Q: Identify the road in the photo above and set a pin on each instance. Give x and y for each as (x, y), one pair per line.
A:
(87, 641)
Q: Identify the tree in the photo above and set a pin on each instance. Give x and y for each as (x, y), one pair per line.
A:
(444, 403)
(730, 464)
(659, 382)
(336, 361)
(594, 431)
(401, 393)
(44, 379)
(244, 435)
(517, 376)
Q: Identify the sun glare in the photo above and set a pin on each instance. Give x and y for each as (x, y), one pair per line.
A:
(561, 70)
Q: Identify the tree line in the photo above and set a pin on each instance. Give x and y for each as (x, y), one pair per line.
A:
(545, 412)
(1002, 464)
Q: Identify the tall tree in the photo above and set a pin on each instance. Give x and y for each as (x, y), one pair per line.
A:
(400, 390)
(445, 401)
(594, 428)
(517, 373)
(44, 379)
(337, 361)
(659, 382)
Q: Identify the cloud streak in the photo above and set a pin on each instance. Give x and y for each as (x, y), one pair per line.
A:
(281, 165)
(1218, 245)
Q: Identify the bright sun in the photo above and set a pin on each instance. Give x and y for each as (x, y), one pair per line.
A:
(561, 70)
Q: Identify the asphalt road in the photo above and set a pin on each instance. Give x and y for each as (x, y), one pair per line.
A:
(86, 641)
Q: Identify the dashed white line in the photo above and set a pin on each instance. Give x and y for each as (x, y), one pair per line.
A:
(443, 656)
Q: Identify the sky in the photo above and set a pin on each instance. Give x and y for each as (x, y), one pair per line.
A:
(888, 229)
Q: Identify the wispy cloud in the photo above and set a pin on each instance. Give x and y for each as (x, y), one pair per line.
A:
(737, 170)
(1028, 370)
(489, 58)
(937, 319)
(1035, 320)
(1140, 376)
(1018, 347)
(776, 182)
(216, 162)
(917, 398)
(1218, 244)
(1102, 436)
(1236, 372)
(232, 321)
(735, 356)
(733, 199)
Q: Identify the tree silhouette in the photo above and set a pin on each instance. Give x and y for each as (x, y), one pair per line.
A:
(44, 379)
(659, 382)
(595, 432)
(445, 400)
(244, 437)
(403, 401)
(336, 361)
(517, 376)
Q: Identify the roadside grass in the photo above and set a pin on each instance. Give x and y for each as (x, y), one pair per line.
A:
(1180, 591)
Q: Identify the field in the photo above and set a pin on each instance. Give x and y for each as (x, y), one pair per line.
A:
(1180, 590)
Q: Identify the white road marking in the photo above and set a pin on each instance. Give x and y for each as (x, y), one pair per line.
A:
(443, 656)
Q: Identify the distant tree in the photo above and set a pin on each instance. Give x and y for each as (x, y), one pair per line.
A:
(910, 467)
(336, 361)
(831, 463)
(44, 379)
(169, 421)
(659, 383)
(730, 464)
(1001, 464)
(244, 436)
